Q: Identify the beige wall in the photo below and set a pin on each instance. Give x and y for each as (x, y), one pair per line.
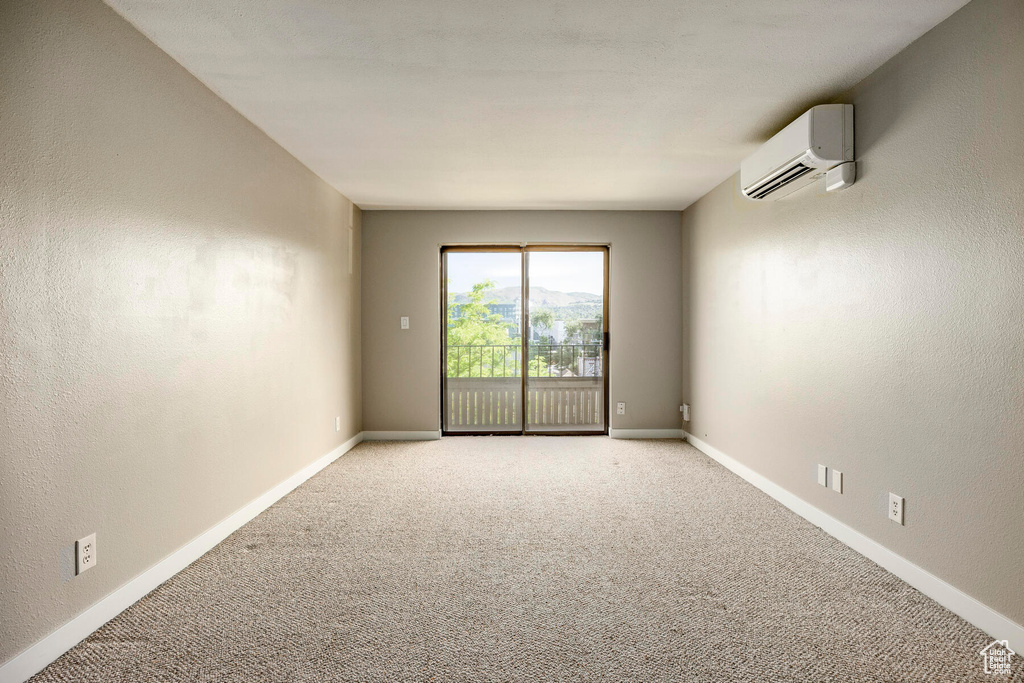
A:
(178, 328)
(879, 331)
(401, 369)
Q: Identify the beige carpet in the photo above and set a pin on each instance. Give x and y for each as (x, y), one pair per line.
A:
(529, 559)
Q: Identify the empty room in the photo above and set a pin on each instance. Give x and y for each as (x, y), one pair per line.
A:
(519, 341)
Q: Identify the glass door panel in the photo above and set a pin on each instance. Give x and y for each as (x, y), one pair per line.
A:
(566, 391)
(482, 340)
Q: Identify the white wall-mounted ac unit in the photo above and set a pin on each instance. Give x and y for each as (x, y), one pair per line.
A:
(805, 150)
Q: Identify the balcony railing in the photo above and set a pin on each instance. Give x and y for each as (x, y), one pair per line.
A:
(545, 360)
(564, 390)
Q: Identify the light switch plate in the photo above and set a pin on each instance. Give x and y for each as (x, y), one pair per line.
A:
(822, 475)
(837, 481)
(405, 322)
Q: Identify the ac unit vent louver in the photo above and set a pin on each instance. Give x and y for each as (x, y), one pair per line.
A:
(780, 181)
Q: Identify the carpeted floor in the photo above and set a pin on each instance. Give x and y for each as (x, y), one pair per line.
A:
(529, 559)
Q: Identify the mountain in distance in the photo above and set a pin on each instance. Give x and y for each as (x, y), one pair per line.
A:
(538, 296)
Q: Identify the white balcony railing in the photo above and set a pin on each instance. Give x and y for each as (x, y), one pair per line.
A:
(481, 404)
(564, 388)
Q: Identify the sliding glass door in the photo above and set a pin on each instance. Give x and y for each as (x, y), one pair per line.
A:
(565, 340)
(482, 346)
(524, 340)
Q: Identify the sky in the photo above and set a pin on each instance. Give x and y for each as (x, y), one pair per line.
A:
(578, 271)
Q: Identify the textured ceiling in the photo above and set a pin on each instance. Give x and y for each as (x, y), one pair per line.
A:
(528, 104)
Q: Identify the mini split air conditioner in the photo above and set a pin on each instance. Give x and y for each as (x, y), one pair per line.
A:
(818, 143)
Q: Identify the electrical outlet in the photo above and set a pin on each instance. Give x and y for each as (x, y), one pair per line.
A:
(337, 424)
(896, 508)
(822, 475)
(405, 322)
(685, 410)
(620, 408)
(85, 552)
(837, 481)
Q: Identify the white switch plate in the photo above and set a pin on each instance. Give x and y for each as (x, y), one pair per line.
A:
(405, 322)
(337, 424)
(620, 408)
(896, 508)
(822, 475)
(837, 481)
(685, 409)
(85, 553)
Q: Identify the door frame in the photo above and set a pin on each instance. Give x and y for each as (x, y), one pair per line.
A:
(524, 248)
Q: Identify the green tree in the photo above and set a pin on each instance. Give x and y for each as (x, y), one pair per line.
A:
(479, 344)
(543, 321)
(475, 326)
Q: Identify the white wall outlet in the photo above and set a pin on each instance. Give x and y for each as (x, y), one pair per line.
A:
(896, 508)
(337, 424)
(685, 410)
(405, 322)
(837, 481)
(620, 408)
(822, 475)
(85, 552)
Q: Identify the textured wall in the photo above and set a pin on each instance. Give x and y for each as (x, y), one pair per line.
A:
(879, 331)
(401, 369)
(178, 328)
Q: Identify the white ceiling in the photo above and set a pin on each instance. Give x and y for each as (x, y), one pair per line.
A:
(528, 104)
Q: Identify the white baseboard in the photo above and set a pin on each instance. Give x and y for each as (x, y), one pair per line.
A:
(645, 433)
(431, 435)
(947, 595)
(39, 655)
